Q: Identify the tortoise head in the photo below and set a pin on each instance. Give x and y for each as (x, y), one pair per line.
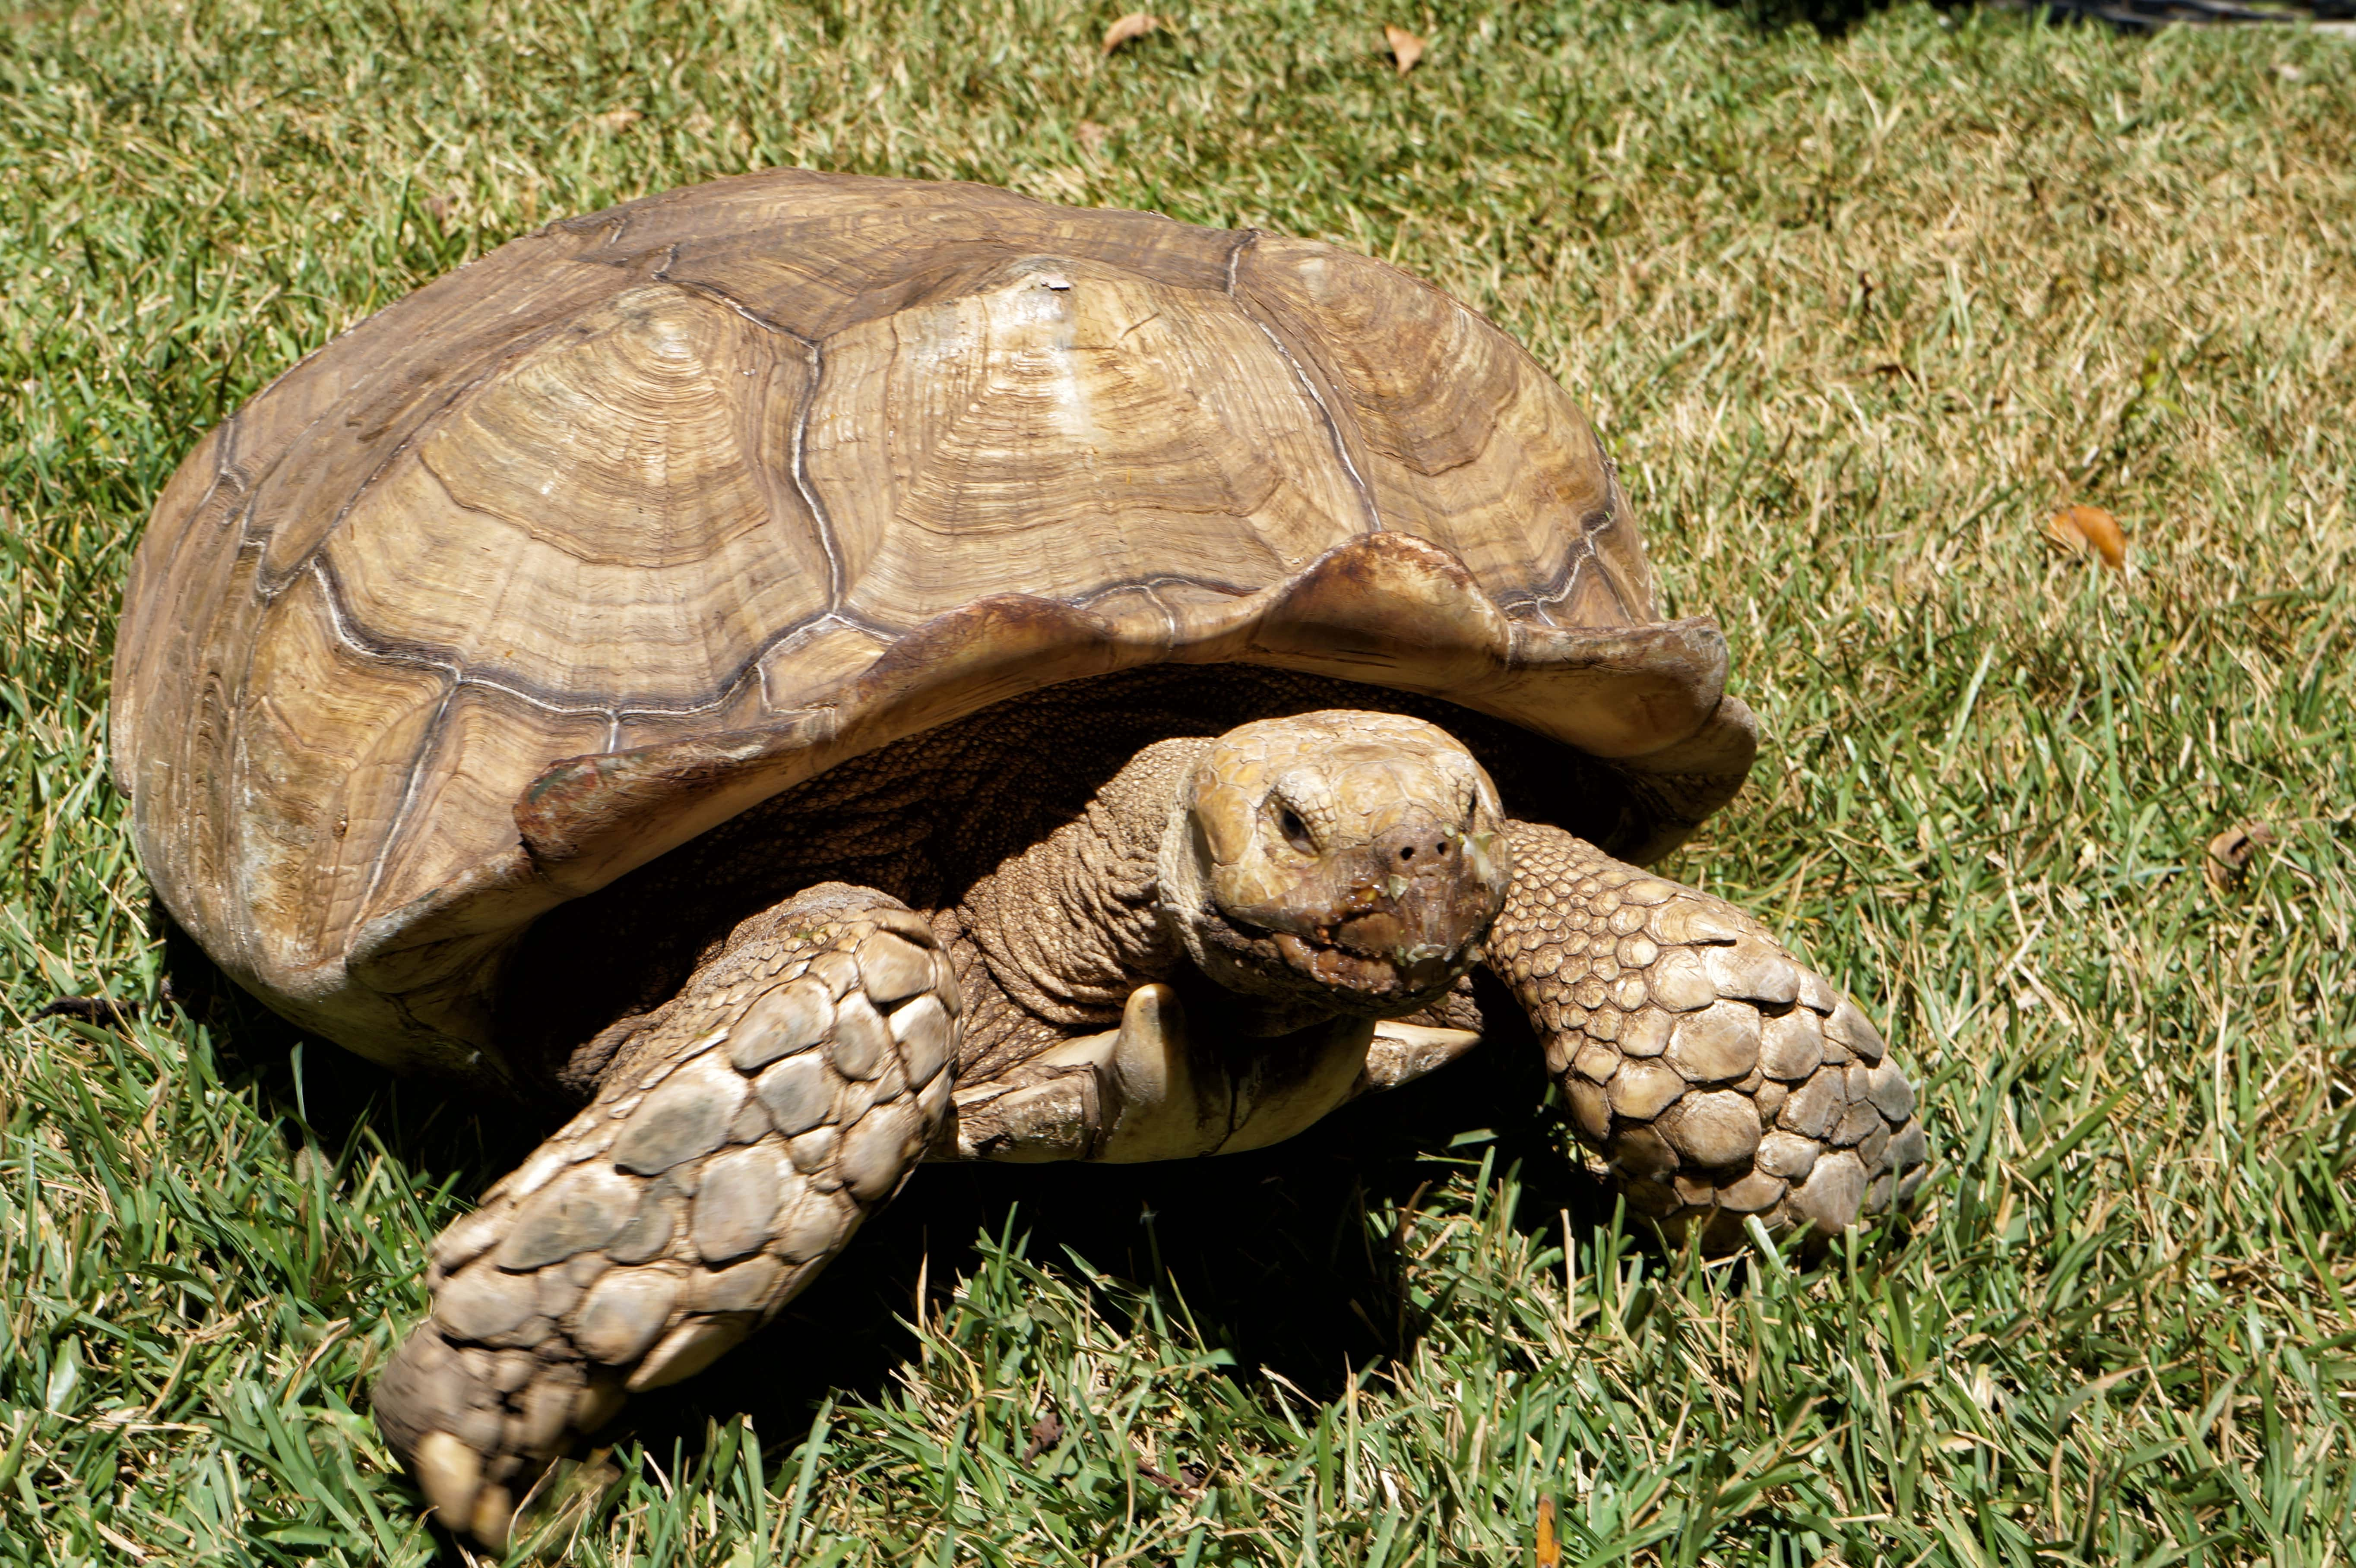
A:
(1351, 862)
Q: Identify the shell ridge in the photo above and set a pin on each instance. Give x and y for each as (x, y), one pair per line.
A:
(1163, 580)
(822, 519)
(395, 833)
(1550, 592)
(226, 832)
(1615, 507)
(1301, 378)
(368, 644)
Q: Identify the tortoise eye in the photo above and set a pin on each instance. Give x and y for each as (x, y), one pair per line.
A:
(1295, 831)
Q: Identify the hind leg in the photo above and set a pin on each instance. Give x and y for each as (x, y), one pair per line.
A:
(736, 1142)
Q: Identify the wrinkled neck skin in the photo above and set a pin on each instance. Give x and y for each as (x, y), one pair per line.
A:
(1073, 924)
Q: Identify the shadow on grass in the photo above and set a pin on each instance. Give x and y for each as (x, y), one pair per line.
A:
(1830, 18)
(1272, 1252)
(1837, 18)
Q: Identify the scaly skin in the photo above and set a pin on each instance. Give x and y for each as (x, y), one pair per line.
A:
(1719, 1077)
(739, 1139)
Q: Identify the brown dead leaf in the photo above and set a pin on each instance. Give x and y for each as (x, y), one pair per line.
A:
(2230, 853)
(1092, 136)
(1136, 25)
(1406, 47)
(621, 119)
(1549, 1553)
(1046, 1432)
(2089, 528)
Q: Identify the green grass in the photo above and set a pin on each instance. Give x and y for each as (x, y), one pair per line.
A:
(1856, 315)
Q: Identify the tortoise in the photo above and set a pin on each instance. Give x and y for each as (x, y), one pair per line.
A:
(811, 674)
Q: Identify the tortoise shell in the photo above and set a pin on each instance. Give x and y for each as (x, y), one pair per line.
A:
(644, 518)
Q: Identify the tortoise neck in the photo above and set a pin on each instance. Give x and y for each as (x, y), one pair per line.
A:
(1071, 925)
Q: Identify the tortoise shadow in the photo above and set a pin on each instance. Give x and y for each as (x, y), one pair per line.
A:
(1274, 1253)
(1273, 1256)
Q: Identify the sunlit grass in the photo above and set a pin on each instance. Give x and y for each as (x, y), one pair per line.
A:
(1856, 315)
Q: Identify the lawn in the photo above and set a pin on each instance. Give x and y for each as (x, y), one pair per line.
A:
(1856, 316)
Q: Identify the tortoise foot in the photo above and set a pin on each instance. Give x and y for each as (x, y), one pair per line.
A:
(737, 1141)
(1720, 1078)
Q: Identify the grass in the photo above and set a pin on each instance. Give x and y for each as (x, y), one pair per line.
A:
(1856, 315)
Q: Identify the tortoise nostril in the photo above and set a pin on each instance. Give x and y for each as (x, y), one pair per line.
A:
(1408, 853)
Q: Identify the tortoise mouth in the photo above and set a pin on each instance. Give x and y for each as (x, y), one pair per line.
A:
(1361, 965)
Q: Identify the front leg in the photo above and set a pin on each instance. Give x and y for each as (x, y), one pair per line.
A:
(1719, 1077)
(737, 1139)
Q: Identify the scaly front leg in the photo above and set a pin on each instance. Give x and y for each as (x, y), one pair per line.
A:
(738, 1139)
(1719, 1077)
